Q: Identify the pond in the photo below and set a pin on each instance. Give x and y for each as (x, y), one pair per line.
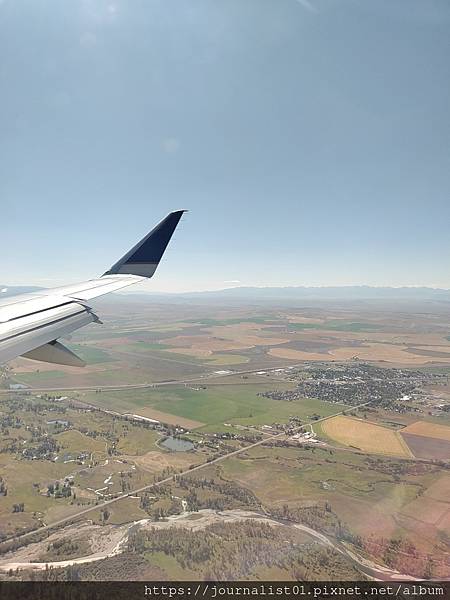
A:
(177, 445)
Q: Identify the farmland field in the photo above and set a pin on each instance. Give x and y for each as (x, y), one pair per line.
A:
(225, 377)
(365, 436)
(422, 428)
(237, 404)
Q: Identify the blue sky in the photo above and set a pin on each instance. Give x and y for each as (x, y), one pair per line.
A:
(308, 138)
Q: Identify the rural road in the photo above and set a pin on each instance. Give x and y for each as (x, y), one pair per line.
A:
(144, 488)
(136, 386)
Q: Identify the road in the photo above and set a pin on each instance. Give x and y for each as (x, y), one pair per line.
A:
(136, 386)
(144, 488)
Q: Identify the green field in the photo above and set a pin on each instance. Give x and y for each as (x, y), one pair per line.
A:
(74, 442)
(143, 347)
(236, 404)
(336, 325)
(137, 441)
(226, 359)
(91, 354)
(38, 376)
(362, 497)
(214, 322)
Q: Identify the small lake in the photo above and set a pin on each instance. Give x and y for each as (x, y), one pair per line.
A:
(177, 445)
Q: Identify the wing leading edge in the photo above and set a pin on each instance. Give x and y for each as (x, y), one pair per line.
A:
(30, 324)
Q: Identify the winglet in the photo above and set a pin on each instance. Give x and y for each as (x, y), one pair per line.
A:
(144, 258)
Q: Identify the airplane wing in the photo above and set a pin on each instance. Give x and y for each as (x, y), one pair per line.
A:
(31, 324)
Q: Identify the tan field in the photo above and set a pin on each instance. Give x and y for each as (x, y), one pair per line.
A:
(366, 436)
(155, 461)
(204, 345)
(245, 333)
(430, 511)
(221, 338)
(25, 365)
(297, 319)
(373, 352)
(291, 354)
(194, 351)
(441, 432)
(385, 337)
(440, 490)
(432, 348)
(386, 352)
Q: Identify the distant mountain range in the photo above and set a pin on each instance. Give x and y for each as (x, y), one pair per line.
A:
(343, 292)
(291, 295)
(277, 294)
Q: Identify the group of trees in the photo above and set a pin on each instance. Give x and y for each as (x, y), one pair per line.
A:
(58, 490)
(402, 555)
(224, 551)
(45, 450)
(217, 494)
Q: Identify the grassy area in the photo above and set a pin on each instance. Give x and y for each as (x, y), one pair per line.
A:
(37, 376)
(170, 566)
(25, 481)
(91, 354)
(137, 441)
(74, 442)
(143, 347)
(337, 325)
(235, 321)
(236, 404)
(227, 359)
(366, 499)
(124, 511)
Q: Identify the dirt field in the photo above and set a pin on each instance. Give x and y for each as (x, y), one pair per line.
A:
(291, 354)
(384, 352)
(203, 346)
(155, 461)
(427, 447)
(440, 490)
(427, 510)
(440, 432)
(245, 333)
(368, 437)
(373, 352)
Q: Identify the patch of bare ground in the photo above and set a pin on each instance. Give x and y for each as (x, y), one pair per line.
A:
(101, 542)
(245, 333)
(155, 461)
(298, 319)
(440, 490)
(24, 365)
(298, 354)
(374, 352)
(433, 430)
(426, 447)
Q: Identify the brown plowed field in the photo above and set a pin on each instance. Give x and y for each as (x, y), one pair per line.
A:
(427, 447)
